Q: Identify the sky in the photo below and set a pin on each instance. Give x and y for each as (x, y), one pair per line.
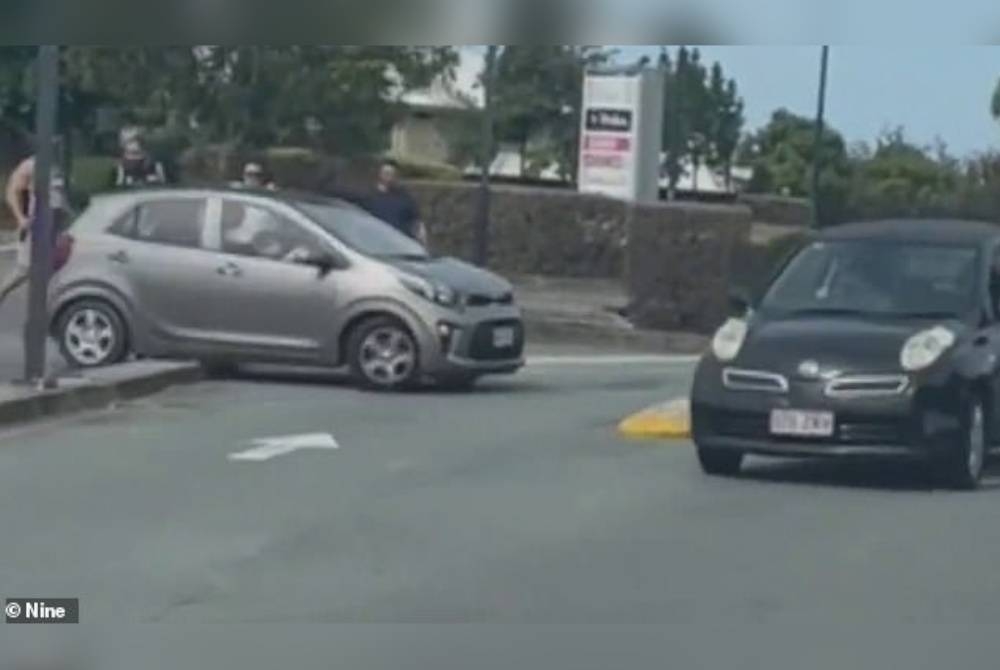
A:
(941, 92)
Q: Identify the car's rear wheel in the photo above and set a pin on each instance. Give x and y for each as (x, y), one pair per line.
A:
(961, 465)
(724, 462)
(91, 333)
(383, 355)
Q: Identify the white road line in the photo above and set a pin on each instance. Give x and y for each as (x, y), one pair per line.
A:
(266, 448)
(598, 359)
(7, 248)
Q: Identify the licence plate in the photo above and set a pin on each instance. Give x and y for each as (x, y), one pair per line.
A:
(801, 423)
(503, 337)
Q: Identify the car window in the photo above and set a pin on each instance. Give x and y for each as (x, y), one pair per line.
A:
(252, 230)
(178, 223)
(877, 278)
(363, 232)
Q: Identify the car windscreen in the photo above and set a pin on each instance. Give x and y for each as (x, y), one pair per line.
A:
(879, 278)
(363, 232)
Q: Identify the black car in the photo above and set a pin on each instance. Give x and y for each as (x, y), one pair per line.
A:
(874, 339)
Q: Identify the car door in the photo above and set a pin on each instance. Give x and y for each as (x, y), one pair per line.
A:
(272, 302)
(161, 249)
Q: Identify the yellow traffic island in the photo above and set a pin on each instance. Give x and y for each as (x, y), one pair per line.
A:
(669, 420)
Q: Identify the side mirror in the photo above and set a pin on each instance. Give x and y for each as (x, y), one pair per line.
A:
(324, 262)
(740, 300)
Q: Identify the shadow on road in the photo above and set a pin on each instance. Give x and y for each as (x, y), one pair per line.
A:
(886, 475)
(260, 374)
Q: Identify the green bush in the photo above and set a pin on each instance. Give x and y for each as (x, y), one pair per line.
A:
(428, 171)
(91, 174)
(756, 264)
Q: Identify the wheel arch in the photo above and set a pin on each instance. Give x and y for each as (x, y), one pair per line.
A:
(383, 308)
(101, 293)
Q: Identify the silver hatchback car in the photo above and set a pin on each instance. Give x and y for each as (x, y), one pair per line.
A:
(230, 277)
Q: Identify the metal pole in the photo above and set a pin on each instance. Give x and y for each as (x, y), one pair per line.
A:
(482, 232)
(817, 146)
(36, 324)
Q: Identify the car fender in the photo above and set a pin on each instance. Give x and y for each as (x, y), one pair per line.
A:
(91, 290)
(972, 362)
(349, 315)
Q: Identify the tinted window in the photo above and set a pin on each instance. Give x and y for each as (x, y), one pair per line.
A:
(363, 232)
(251, 230)
(881, 278)
(178, 223)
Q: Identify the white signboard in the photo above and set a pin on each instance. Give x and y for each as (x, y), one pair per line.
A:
(620, 135)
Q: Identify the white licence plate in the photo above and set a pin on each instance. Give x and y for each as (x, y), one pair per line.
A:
(802, 423)
(503, 337)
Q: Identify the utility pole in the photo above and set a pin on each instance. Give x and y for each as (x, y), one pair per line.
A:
(36, 324)
(482, 231)
(818, 144)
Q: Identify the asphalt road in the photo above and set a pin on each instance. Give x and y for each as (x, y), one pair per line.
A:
(515, 505)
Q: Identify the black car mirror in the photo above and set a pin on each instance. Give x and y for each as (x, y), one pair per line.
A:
(323, 261)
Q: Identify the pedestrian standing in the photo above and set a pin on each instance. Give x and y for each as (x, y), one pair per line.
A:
(392, 203)
(20, 199)
(255, 178)
(137, 168)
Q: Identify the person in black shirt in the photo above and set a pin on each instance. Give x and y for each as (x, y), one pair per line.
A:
(392, 203)
(137, 168)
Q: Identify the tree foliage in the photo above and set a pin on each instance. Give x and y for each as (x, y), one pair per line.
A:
(337, 97)
(702, 115)
(538, 102)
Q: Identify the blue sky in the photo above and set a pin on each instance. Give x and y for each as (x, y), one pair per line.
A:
(941, 91)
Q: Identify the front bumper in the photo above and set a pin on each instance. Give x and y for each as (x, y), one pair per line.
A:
(469, 345)
(909, 424)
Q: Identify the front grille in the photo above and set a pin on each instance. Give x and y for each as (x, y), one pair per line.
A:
(869, 431)
(753, 425)
(866, 386)
(481, 344)
(753, 380)
(483, 300)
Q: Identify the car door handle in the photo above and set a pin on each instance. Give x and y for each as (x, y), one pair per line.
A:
(229, 270)
(120, 256)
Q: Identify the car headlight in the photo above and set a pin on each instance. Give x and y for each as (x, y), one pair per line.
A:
(433, 291)
(924, 348)
(729, 339)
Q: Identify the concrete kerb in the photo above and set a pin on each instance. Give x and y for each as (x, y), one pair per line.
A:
(101, 388)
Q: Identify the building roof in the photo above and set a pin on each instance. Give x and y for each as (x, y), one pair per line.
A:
(942, 231)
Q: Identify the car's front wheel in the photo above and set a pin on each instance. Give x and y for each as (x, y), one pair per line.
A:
(725, 462)
(961, 466)
(91, 334)
(383, 355)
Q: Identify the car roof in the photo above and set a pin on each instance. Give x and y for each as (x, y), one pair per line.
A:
(938, 231)
(287, 196)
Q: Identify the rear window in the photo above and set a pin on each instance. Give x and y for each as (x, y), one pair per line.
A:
(173, 222)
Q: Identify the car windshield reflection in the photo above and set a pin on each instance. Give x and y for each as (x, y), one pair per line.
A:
(875, 278)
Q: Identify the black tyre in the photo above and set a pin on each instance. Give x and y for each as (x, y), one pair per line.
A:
(960, 466)
(383, 355)
(91, 333)
(724, 462)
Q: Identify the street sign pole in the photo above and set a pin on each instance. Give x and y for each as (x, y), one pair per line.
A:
(818, 144)
(36, 324)
(481, 237)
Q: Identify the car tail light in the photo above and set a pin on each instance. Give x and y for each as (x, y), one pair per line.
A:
(62, 251)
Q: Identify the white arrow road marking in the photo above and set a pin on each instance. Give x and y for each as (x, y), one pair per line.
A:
(266, 448)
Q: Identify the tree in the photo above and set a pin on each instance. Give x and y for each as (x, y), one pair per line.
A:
(538, 101)
(995, 102)
(902, 179)
(702, 116)
(781, 155)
